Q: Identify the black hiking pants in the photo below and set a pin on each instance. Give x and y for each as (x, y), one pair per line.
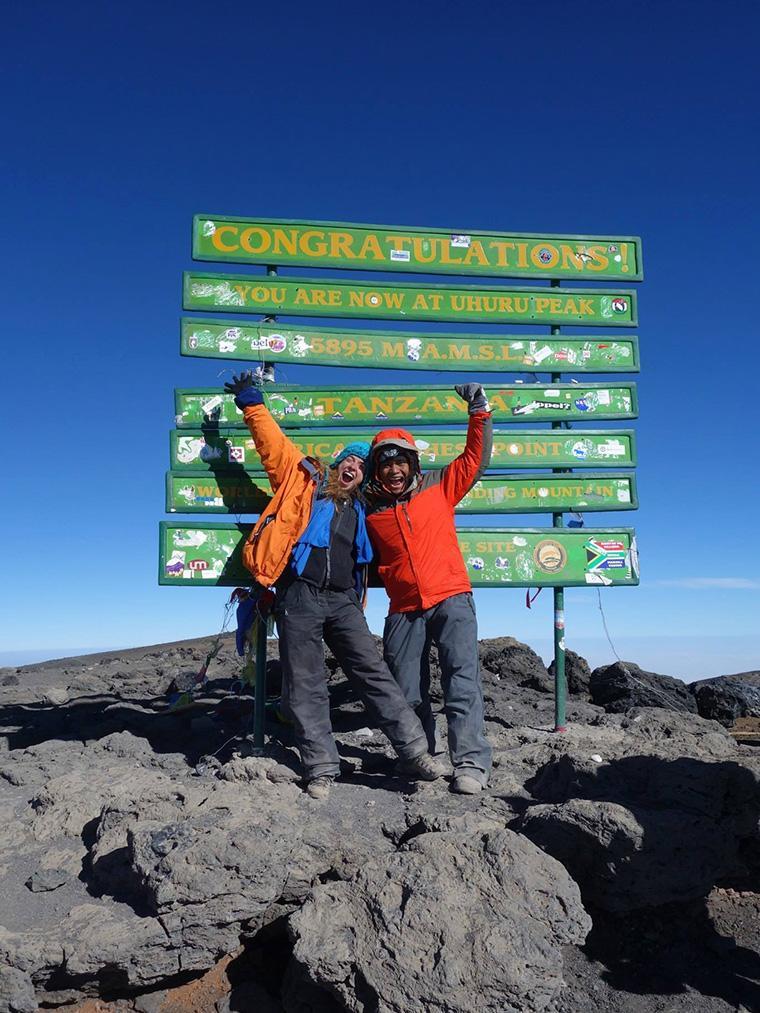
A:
(306, 616)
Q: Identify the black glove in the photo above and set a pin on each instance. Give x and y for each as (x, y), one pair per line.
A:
(239, 383)
(245, 390)
(475, 397)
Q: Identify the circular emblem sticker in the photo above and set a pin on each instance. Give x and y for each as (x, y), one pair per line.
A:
(276, 343)
(550, 556)
(620, 305)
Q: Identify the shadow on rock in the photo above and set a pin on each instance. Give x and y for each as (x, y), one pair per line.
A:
(647, 839)
(193, 731)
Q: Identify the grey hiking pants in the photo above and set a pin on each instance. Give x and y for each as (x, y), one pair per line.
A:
(453, 627)
(306, 616)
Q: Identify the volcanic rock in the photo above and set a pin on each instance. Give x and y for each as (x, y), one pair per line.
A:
(626, 827)
(623, 685)
(577, 674)
(516, 662)
(728, 697)
(438, 925)
(174, 849)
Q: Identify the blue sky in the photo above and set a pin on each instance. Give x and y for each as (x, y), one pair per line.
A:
(584, 118)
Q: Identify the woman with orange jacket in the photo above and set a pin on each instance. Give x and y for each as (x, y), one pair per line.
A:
(311, 544)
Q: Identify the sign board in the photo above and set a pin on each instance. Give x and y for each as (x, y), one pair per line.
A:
(233, 449)
(410, 301)
(549, 493)
(226, 492)
(241, 493)
(418, 406)
(229, 339)
(429, 251)
(210, 554)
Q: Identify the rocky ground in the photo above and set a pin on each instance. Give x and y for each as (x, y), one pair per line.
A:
(148, 862)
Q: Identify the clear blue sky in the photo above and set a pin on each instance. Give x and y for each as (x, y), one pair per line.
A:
(121, 121)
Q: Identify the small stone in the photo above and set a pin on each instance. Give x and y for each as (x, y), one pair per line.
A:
(56, 696)
(45, 880)
(596, 758)
(151, 1002)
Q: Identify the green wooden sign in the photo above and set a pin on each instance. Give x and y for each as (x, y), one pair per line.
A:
(241, 493)
(419, 406)
(210, 554)
(224, 492)
(518, 494)
(327, 297)
(228, 339)
(430, 251)
(233, 449)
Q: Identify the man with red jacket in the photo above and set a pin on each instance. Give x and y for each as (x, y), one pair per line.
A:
(410, 521)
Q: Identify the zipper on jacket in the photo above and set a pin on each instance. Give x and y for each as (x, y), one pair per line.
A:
(408, 518)
(259, 533)
(409, 550)
(327, 556)
(328, 572)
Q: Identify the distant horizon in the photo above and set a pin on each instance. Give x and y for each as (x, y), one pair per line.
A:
(676, 653)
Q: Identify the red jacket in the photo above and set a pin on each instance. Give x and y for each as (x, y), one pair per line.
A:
(414, 536)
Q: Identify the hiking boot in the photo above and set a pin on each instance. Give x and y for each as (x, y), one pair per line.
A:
(421, 768)
(319, 788)
(463, 784)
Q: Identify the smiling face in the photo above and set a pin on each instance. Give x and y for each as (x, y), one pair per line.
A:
(394, 474)
(350, 473)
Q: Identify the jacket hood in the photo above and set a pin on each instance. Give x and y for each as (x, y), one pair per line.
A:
(395, 438)
(392, 438)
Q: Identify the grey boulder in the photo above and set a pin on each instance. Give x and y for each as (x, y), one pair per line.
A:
(454, 920)
(16, 991)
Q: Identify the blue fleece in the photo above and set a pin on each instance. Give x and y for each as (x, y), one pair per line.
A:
(317, 535)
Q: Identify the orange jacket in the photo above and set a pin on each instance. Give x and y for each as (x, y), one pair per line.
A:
(414, 536)
(293, 478)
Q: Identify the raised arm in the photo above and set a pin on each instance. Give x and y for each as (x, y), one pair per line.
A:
(278, 454)
(464, 471)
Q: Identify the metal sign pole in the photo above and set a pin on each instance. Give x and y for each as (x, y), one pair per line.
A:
(559, 607)
(260, 699)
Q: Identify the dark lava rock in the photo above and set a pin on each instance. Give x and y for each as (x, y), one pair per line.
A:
(644, 830)
(577, 674)
(512, 660)
(623, 685)
(727, 697)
